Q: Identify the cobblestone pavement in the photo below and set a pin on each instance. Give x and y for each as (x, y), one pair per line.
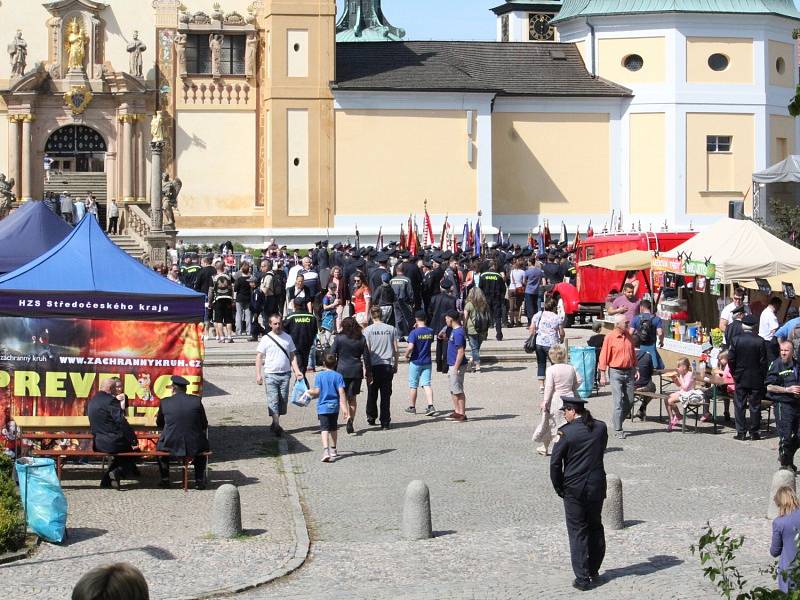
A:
(165, 533)
(500, 528)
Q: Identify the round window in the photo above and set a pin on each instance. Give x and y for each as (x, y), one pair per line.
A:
(296, 162)
(297, 47)
(718, 62)
(780, 65)
(633, 62)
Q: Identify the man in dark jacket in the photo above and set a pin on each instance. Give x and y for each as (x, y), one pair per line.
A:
(578, 476)
(441, 304)
(783, 387)
(302, 326)
(747, 359)
(494, 288)
(112, 432)
(183, 424)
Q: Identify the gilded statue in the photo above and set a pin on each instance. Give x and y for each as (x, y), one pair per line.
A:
(157, 133)
(75, 45)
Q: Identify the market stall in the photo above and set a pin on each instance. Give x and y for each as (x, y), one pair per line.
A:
(83, 312)
(27, 233)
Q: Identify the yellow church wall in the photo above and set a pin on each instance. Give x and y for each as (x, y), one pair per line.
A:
(612, 52)
(582, 49)
(216, 164)
(534, 157)
(781, 74)
(781, 137)
(390, 161)
(712, 179)
(647, 162)
(738, 50)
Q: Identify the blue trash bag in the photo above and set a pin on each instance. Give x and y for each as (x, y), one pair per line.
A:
(297, 397)
(42, 498)
(584, 360)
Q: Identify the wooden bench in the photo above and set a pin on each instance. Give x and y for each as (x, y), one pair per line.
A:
(640, 395)
(60, 455)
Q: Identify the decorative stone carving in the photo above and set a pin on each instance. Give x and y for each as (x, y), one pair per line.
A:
(184, 18)
(135, 49)
(157, 133)
(215, 41)
(205, 93)
(75, 45)
(179, 41)
(217, 15)
(78, 98)
(170, 189)
(234, 18)
(18, 52)
(6, 195)
(200, 18)
(250, 55)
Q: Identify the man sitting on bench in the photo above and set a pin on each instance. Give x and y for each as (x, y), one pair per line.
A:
(183, 424)
(112, 433)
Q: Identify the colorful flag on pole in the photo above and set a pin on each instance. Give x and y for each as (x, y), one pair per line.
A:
(443, 239)
(465, 237)
(547, 237)
(379, 241)
(499, 239)
(358, 238)
(564, 235)
(540, 245)
(531, 241)
(428, 229)
(577, 240)
(402, 238)
(590, 231)
(478, 240)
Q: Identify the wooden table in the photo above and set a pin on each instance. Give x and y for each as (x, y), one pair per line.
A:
(699, 379)
(75, 424)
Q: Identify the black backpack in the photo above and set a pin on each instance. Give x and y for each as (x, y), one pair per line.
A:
(646, 331)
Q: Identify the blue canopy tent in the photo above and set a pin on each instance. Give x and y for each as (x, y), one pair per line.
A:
(27, 233)
(87, 276)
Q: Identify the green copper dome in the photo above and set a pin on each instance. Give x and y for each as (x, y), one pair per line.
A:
(596, 8)
(364, 21)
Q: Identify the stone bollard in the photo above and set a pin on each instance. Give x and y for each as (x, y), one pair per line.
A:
(417, 512)
(613, 512)
(227, 512)
(781, 478)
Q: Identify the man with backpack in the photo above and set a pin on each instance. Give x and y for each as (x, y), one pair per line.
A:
(650, 330)
(271, 284)
(493, 287)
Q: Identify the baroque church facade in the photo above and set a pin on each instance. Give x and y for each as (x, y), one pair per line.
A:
(285, 121)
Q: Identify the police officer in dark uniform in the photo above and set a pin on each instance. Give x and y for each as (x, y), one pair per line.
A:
(579, 477)
(183, 424)
(783, 387)
(494, 288)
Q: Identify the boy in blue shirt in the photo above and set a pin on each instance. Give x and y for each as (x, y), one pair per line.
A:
(329, 391)
(418, 355)
(456, 346)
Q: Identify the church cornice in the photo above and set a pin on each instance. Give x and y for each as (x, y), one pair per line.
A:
(58, 7)
(31, 81)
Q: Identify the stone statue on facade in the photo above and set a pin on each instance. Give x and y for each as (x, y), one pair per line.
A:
(7, 196)
(135, 49)
(215, 41)
(170, 188)
(251, 52)
(18, 51)
(180, 40)
(157, 129)
(75, 45)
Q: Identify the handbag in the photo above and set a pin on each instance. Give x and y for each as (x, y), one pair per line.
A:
(530, 343)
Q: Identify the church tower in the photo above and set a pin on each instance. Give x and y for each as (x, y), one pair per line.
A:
(523, 21)
(364, 21)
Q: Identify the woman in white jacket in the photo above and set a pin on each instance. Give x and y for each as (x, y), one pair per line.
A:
(561, 379)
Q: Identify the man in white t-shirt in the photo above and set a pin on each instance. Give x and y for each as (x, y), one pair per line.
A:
(275, 363)
(767, 326)
(726, 316)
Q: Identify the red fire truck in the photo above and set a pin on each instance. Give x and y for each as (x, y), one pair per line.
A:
(594, 283)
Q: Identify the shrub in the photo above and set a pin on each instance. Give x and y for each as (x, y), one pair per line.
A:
(12, 524)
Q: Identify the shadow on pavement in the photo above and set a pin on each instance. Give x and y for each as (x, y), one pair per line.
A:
(652, 565)
(352, 453)
(220, 477)
(212, 391)
(76, 535)
(242, 442)
(152, 551)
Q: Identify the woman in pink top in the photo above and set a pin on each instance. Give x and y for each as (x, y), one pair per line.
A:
(561, 379)
(684, 379)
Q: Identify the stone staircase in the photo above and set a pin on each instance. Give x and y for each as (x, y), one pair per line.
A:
(128, 245)
(78, 184)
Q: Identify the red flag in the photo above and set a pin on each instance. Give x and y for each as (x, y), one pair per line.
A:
(413, 239)
(428, 229)
(402, 238)
(590, 231)
(577, 241)
(471, 237)
(443, 239)
(547, 237)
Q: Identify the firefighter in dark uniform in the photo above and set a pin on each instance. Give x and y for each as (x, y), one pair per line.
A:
(301, 325)
(579, 477)
(493, 287)
(783, 387)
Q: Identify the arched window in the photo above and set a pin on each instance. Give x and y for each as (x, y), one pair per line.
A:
(75, 139)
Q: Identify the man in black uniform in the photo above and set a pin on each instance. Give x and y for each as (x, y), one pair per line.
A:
(494, 288)
(302, 327)
(411, 270)
(747, 359)
(579, 477)
(552, 269)
(783, 387)
(183, 424)
(112, 432)
(734, 328)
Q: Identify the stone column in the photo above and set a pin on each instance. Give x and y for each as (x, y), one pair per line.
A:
(15, 158)
(27, 159)
(141, 161)
(157, 239)
(127, 158)
(111, 178)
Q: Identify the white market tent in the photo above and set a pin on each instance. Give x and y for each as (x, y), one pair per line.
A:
(785, 172)
(632, 260)
(741, 250)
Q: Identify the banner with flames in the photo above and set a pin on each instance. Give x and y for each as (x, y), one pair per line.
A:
(51, 367)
